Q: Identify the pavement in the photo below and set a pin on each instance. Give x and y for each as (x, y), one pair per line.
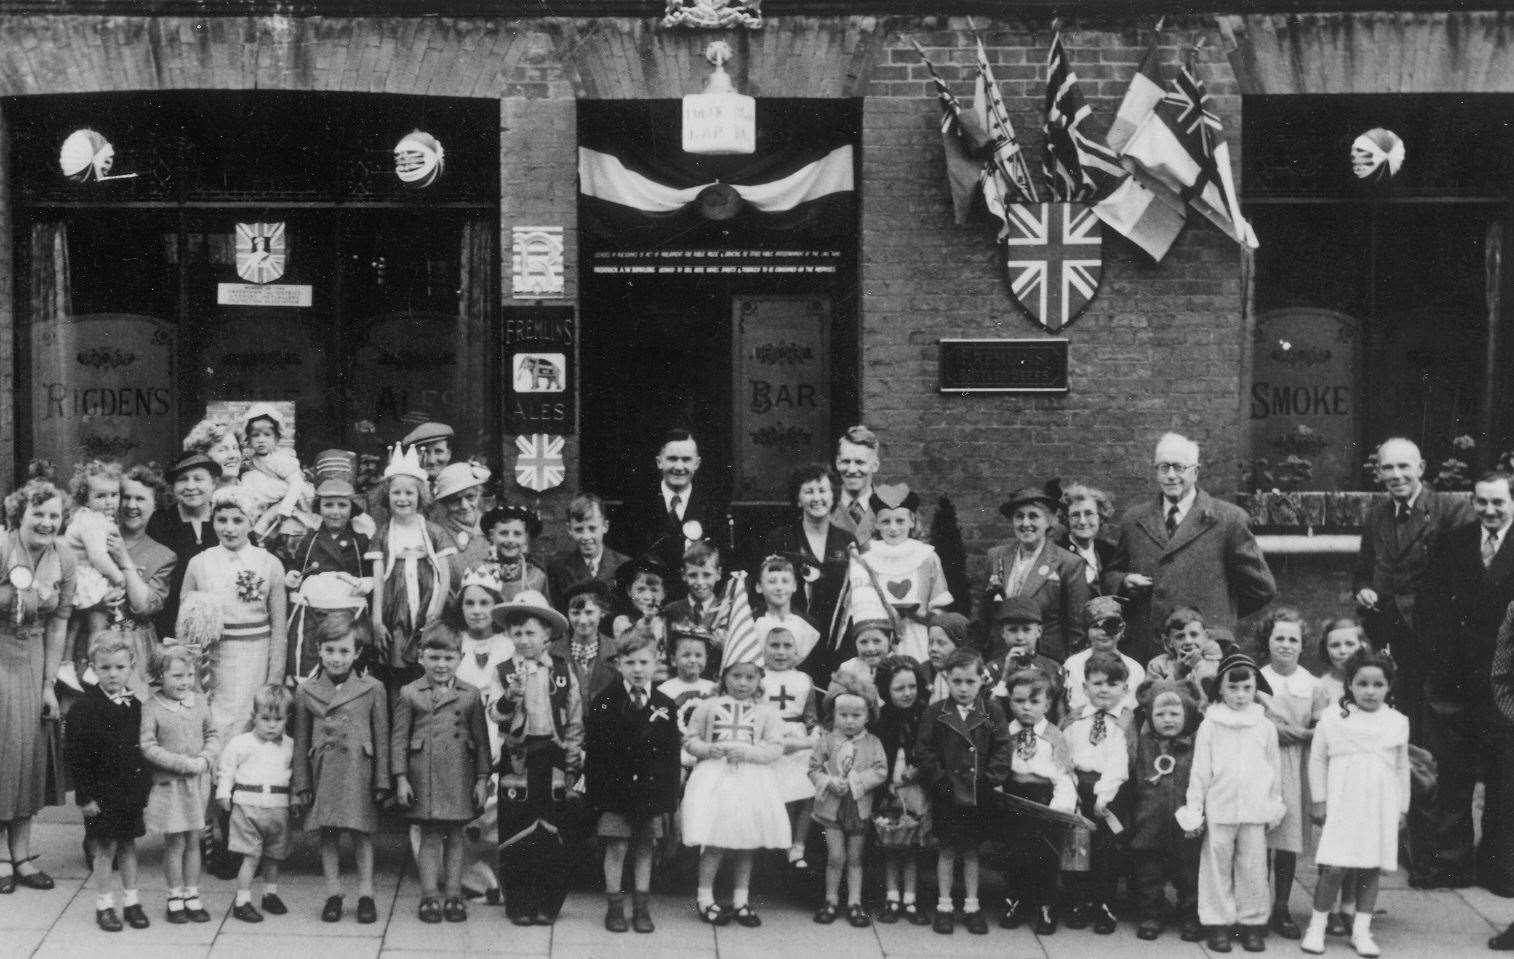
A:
(60, 923)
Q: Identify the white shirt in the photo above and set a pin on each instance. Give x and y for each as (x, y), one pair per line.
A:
(1064, 791)
(250, 760)
(1109, 757)
(683, 495)
(1184, 505)
(1497, 536)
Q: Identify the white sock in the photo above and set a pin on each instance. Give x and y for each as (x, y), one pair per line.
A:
(944, 904)
(129, 897)
(891, 895)
(909, 899)
(176, 899)
(1362, 925)
(970, 904)
(105, 901)
(191, 897)
(244, 897)
(739, 897)
(270, 889)
(705, 897)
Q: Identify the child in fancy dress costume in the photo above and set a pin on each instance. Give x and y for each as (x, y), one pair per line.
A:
(906, 569)
(732, 803)
(792, 693)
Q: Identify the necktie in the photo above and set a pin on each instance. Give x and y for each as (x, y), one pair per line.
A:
(1401, 512)
(673, 505)
(593, 569)
(1489, 548)
(1100, 729)
(855, 511)
(1172, 519)
(121, 700)
(638, 698)
(481, 657)
(1025, 744)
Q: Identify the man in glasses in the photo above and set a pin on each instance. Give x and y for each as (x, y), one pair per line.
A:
(1185, 548)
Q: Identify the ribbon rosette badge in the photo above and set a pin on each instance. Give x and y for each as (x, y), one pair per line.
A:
(250, 586)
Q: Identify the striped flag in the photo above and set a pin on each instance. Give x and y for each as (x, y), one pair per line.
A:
(735, 621)
(1008, 178)
(1141, 97)
(1080, 167)
(964, 141)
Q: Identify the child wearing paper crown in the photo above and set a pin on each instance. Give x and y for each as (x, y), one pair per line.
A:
(907, 571)
(1161, 761)
(1234, 797)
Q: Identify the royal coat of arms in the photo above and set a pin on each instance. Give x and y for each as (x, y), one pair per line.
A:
(1054, 255)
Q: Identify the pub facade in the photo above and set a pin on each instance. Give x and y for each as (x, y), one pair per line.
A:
(492, 214)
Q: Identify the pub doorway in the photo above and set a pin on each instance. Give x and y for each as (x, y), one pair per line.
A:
(735, 322)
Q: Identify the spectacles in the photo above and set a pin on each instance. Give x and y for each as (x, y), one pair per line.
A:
(1111, 624)
(1176, 467)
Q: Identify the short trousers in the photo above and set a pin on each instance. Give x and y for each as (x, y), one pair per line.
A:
(612, 825)
(259, 831)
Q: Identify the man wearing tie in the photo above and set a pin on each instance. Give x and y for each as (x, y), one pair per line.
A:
(1393, 568)
(1185, 548)
(1471, 587)
(658, 522)
(857, 462)
(590, 559)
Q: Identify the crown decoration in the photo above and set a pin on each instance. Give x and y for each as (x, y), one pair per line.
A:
(486, 576)
(404, 462)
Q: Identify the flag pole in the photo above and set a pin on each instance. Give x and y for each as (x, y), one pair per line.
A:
(854, 554)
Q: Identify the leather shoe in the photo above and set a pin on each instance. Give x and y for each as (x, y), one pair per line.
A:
(453, 910)
(107, 920)
(1192, 930)
(246, 912)
(1149, 930)
(522, 919)
(641, 913)
(1253, 939)
(36, 880)
(332, 911)
(1282, 924)
(945, 922)
(135, 917)
(429, 911)
(273, 905)
(615, 913)
(367, 910)
(1219, 939)
(1046, 921)
(7, 884)
(974, 921)
(1503, 942)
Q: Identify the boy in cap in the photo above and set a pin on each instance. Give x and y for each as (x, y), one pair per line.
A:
(1018, 622)
(1106, 627)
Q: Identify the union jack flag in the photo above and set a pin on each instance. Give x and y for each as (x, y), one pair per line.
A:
(539, 466)
(735, 622)
(1054, 255)
(1007, 178)
(1186, 106)
(1077, 165)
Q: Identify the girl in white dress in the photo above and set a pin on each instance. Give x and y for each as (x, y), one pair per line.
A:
(1359, 774)
(731, 803)
(1291, 710)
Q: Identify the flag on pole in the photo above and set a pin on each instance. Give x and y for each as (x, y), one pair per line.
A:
(1181, 143)
(736, 623)
(965, 143)
(1141, 98)
(1007, 179)
(1081, 167)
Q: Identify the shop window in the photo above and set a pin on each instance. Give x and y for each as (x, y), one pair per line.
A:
(1371, 299)
(130, 335)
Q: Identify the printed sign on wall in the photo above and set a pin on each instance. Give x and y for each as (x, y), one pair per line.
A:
(1304, 393)
(782, 409)
(540, 361)
(103, 388)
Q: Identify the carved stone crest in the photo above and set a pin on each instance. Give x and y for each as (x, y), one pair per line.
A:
(714, 14)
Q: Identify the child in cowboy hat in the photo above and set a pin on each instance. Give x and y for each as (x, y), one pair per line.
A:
(541, 715)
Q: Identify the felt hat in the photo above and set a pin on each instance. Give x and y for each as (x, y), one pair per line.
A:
(1016, 609)
(954, 625)
(194, 460)
(1028, 494)
(597, 588)
(626, 573)
(458, 477)
(1241, 661)
(507, 512)
(893, 496)
(427, 433)
(530, 603)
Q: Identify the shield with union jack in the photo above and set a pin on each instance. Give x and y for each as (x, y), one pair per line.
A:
(1054, 255)
(539, 465)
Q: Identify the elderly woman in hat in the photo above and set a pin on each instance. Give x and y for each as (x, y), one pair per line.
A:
(411, 560)
(183, 524)
(1037, 570)
(459, 489)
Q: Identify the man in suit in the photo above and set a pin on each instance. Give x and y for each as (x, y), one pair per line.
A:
(857, 462)
(590, 558)
(1185, 548)
(1393, 567)
(1471, 587)
(657, 521)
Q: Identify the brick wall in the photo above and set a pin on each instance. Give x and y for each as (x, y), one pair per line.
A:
(1158, 349)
